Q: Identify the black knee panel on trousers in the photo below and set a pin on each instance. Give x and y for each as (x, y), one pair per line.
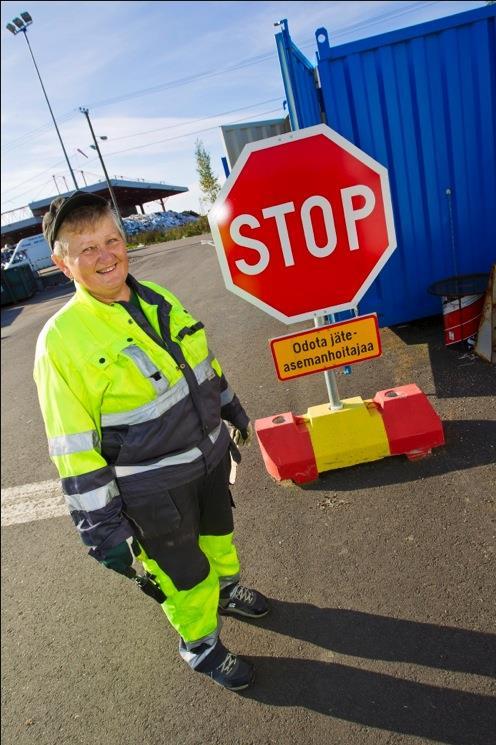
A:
(170, 521)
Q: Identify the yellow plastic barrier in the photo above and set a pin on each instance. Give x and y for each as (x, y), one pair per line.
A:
(353, 434)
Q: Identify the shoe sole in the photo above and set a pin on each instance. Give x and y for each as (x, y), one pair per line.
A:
(235, 612)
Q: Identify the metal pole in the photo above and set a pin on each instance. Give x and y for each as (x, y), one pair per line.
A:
(56, 184)
(283, 42)
(51, 112)
(330, 378)
(112, 195)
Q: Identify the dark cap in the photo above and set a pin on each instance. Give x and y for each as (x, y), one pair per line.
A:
(61, 208)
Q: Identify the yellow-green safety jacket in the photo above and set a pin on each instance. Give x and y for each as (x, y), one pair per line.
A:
(133, 403)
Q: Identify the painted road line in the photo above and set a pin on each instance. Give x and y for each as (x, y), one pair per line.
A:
(29, 502)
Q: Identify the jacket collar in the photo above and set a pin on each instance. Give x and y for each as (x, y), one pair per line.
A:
(108, 309)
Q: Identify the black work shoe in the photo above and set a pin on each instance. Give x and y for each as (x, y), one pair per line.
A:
(227, 669)
(237, 600)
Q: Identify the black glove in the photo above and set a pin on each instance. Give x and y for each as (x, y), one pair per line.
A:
(120, 558)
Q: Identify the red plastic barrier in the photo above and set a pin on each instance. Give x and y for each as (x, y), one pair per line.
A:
(412, 426)
(286, 448)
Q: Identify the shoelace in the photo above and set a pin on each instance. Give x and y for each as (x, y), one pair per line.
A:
(227, 664)
(243, 594)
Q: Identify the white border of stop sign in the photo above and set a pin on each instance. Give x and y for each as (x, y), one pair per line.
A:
(259, 254)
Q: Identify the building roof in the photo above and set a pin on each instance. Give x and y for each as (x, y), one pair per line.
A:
(128, 194)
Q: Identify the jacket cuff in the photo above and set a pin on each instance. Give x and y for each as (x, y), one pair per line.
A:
(121, 534)
(234, 413)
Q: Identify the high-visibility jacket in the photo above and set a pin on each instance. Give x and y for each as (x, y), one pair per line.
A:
(133, 402)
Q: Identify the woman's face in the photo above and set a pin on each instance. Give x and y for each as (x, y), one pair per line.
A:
(97, 259)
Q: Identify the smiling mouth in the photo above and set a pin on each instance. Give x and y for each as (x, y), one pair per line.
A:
(107, 270)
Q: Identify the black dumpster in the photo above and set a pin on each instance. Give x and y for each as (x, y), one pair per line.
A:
(18, 283)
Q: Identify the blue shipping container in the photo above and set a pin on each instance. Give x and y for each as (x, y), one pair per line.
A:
(421, 101)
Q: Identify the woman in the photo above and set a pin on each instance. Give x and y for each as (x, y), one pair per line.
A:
(133, 402)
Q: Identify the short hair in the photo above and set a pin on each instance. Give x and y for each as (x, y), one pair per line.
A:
(79, 219)
(75, 211)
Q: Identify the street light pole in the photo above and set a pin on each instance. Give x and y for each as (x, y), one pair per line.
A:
(21, 24)
(114, 200)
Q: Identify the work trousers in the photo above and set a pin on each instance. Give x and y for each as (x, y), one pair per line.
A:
(192, 555)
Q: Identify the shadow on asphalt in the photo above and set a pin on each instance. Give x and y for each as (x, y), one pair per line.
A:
(468, 444)
(456, 371)
(360, 634)
(9, 315)
(375, 699)
(65, 287)
(51, 292)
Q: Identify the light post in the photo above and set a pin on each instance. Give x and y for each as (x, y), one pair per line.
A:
(21, 24)
(95, 147)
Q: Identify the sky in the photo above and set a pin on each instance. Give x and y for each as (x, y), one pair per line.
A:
(155, 77)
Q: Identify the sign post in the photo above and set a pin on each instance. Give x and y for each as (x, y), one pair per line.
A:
(329, 377)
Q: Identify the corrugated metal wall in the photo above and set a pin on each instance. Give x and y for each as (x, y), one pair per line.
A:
(299, 82)
(422, 101)
(236, 136)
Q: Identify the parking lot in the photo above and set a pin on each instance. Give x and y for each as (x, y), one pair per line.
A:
(382, 576)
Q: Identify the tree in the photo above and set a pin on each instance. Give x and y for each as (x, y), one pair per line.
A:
(209, 183)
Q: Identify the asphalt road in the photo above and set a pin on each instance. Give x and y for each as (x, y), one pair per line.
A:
(382, 575)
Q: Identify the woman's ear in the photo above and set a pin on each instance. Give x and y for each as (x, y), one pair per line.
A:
(59, 261)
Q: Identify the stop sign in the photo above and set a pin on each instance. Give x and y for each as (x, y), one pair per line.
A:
(304, 224)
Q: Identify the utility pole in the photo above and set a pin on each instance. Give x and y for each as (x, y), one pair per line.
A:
(112, 195)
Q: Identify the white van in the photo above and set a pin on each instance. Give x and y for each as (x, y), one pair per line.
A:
(35, 250)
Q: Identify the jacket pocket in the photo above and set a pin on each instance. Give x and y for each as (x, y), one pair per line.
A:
(113, 440)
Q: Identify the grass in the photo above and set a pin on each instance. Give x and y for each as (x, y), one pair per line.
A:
(171, 234)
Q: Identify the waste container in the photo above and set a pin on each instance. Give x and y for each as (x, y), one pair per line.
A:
(462, 301)
(18, 283)
(6, 297)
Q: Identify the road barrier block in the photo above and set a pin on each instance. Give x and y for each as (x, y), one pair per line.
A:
(413, 427)
(398, 421)
(344, 437)
(286, 448)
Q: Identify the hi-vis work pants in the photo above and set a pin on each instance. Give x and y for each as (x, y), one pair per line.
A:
(192, 555)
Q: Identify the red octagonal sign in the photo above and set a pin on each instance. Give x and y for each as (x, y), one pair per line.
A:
(304, 224)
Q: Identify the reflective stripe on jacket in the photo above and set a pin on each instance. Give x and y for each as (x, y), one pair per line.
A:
(133, 402)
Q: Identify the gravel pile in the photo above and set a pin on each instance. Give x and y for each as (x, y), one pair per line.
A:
(135, 224)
